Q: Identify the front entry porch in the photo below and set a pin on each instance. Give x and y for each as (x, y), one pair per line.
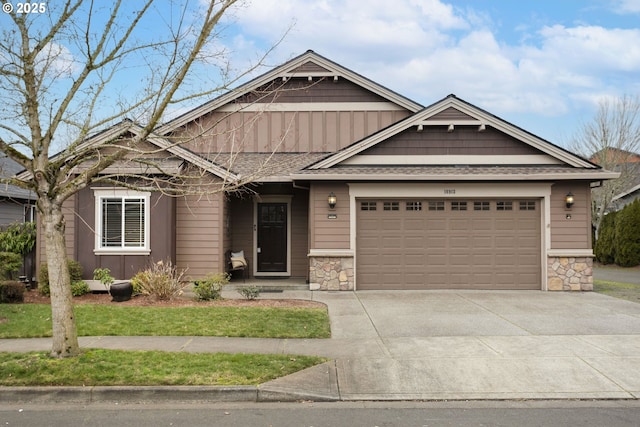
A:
(271, 228)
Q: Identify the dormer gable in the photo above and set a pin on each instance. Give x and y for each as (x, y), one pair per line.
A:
(452, 132)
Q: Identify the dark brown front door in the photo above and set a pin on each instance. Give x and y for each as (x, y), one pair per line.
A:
(272, 237)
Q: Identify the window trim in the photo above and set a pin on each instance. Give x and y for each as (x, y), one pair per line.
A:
(110, 193)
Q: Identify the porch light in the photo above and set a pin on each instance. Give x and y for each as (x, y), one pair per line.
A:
(332, 200)
(568, 199)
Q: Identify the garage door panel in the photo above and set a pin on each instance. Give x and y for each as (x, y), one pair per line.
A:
(448, 249)
(437, 260)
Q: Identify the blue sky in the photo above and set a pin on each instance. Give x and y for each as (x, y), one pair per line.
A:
(542, 65)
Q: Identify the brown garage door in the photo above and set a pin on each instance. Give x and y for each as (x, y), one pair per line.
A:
(448, 244)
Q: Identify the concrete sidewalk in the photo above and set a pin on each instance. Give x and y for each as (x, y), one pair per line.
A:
(433, 345)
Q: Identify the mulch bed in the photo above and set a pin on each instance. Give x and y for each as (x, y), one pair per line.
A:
(34, 297)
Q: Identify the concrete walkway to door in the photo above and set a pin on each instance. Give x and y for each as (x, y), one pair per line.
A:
(391, 345)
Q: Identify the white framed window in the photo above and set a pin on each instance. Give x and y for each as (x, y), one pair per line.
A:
(122, 221)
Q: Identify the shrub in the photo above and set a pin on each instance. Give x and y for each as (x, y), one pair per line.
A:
(161, 280)
(19, 238)
(210, 287)
(104, 276)
(249, 292)
(79, 288)
(75, 272)
(605, 247)
(10, 262)
(628, 235)
(11, 292)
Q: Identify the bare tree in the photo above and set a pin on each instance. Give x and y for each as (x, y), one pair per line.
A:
(59, 70)
(612, 140)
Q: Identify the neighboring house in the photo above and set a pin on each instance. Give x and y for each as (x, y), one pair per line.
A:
(16, 204)
(629, 196)
(360, 188)
(629, 164)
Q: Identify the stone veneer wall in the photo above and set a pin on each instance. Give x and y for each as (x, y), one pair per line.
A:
(331, 273)
(570, 273)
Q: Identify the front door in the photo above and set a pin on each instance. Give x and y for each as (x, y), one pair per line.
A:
(272, 237)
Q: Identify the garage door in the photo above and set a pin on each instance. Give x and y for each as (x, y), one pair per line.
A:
(448, 244)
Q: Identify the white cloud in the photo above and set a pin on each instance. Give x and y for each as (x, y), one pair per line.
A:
(428, 49)
(628, 6)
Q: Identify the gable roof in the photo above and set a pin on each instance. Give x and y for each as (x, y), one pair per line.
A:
(127, 126)
(470, 115)
(309, 64)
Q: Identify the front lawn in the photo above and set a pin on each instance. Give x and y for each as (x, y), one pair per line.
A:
(34, 320)
(628, 291)
(144, 368)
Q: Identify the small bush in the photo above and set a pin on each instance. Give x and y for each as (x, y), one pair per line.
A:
(210, 287)
(161, 280)
(9, 263)
(104, 276)
(79, 288)
(249, 292)
(11, 292)
(75, 272)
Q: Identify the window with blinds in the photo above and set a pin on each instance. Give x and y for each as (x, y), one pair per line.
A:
(123, 222)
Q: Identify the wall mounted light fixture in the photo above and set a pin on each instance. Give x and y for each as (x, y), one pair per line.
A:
(332, 200)
(568, 200)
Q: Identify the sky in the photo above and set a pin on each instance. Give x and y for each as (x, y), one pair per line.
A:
(542, 65)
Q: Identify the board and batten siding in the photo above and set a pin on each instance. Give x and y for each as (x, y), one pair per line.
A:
(573, 232)
(284, 131)
(328, 233)
(199, 234)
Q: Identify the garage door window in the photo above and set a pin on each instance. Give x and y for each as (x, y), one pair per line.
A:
(529, 205)
(481, 206)
(504, 206)
(436, 205)
(391, 206)
(414, 206)
(368, 206)
(458, 206)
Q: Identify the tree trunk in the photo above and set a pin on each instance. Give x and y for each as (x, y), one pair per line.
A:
(65, 335)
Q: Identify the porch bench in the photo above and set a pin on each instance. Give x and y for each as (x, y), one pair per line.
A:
(236, 261)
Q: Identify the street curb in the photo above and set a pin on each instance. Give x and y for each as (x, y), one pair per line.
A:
(129, 394)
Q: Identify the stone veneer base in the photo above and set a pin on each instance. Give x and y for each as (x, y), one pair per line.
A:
(327, 273)
(569, 273)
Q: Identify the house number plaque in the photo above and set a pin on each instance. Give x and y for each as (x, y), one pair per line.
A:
(449, 191)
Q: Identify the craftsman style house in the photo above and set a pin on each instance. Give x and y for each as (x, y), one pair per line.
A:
(353, 186)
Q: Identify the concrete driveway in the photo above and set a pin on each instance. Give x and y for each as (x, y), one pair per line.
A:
(391, 345)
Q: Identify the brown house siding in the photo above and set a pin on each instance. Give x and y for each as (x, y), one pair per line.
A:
(327, 233)
(304, 131)
(573, 232)
(199, 225)
(318, 90)
(161, 239)
(466, 140)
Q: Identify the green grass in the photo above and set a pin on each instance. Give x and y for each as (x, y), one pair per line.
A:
(34, 320)
(628, 291)
(139, 368)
